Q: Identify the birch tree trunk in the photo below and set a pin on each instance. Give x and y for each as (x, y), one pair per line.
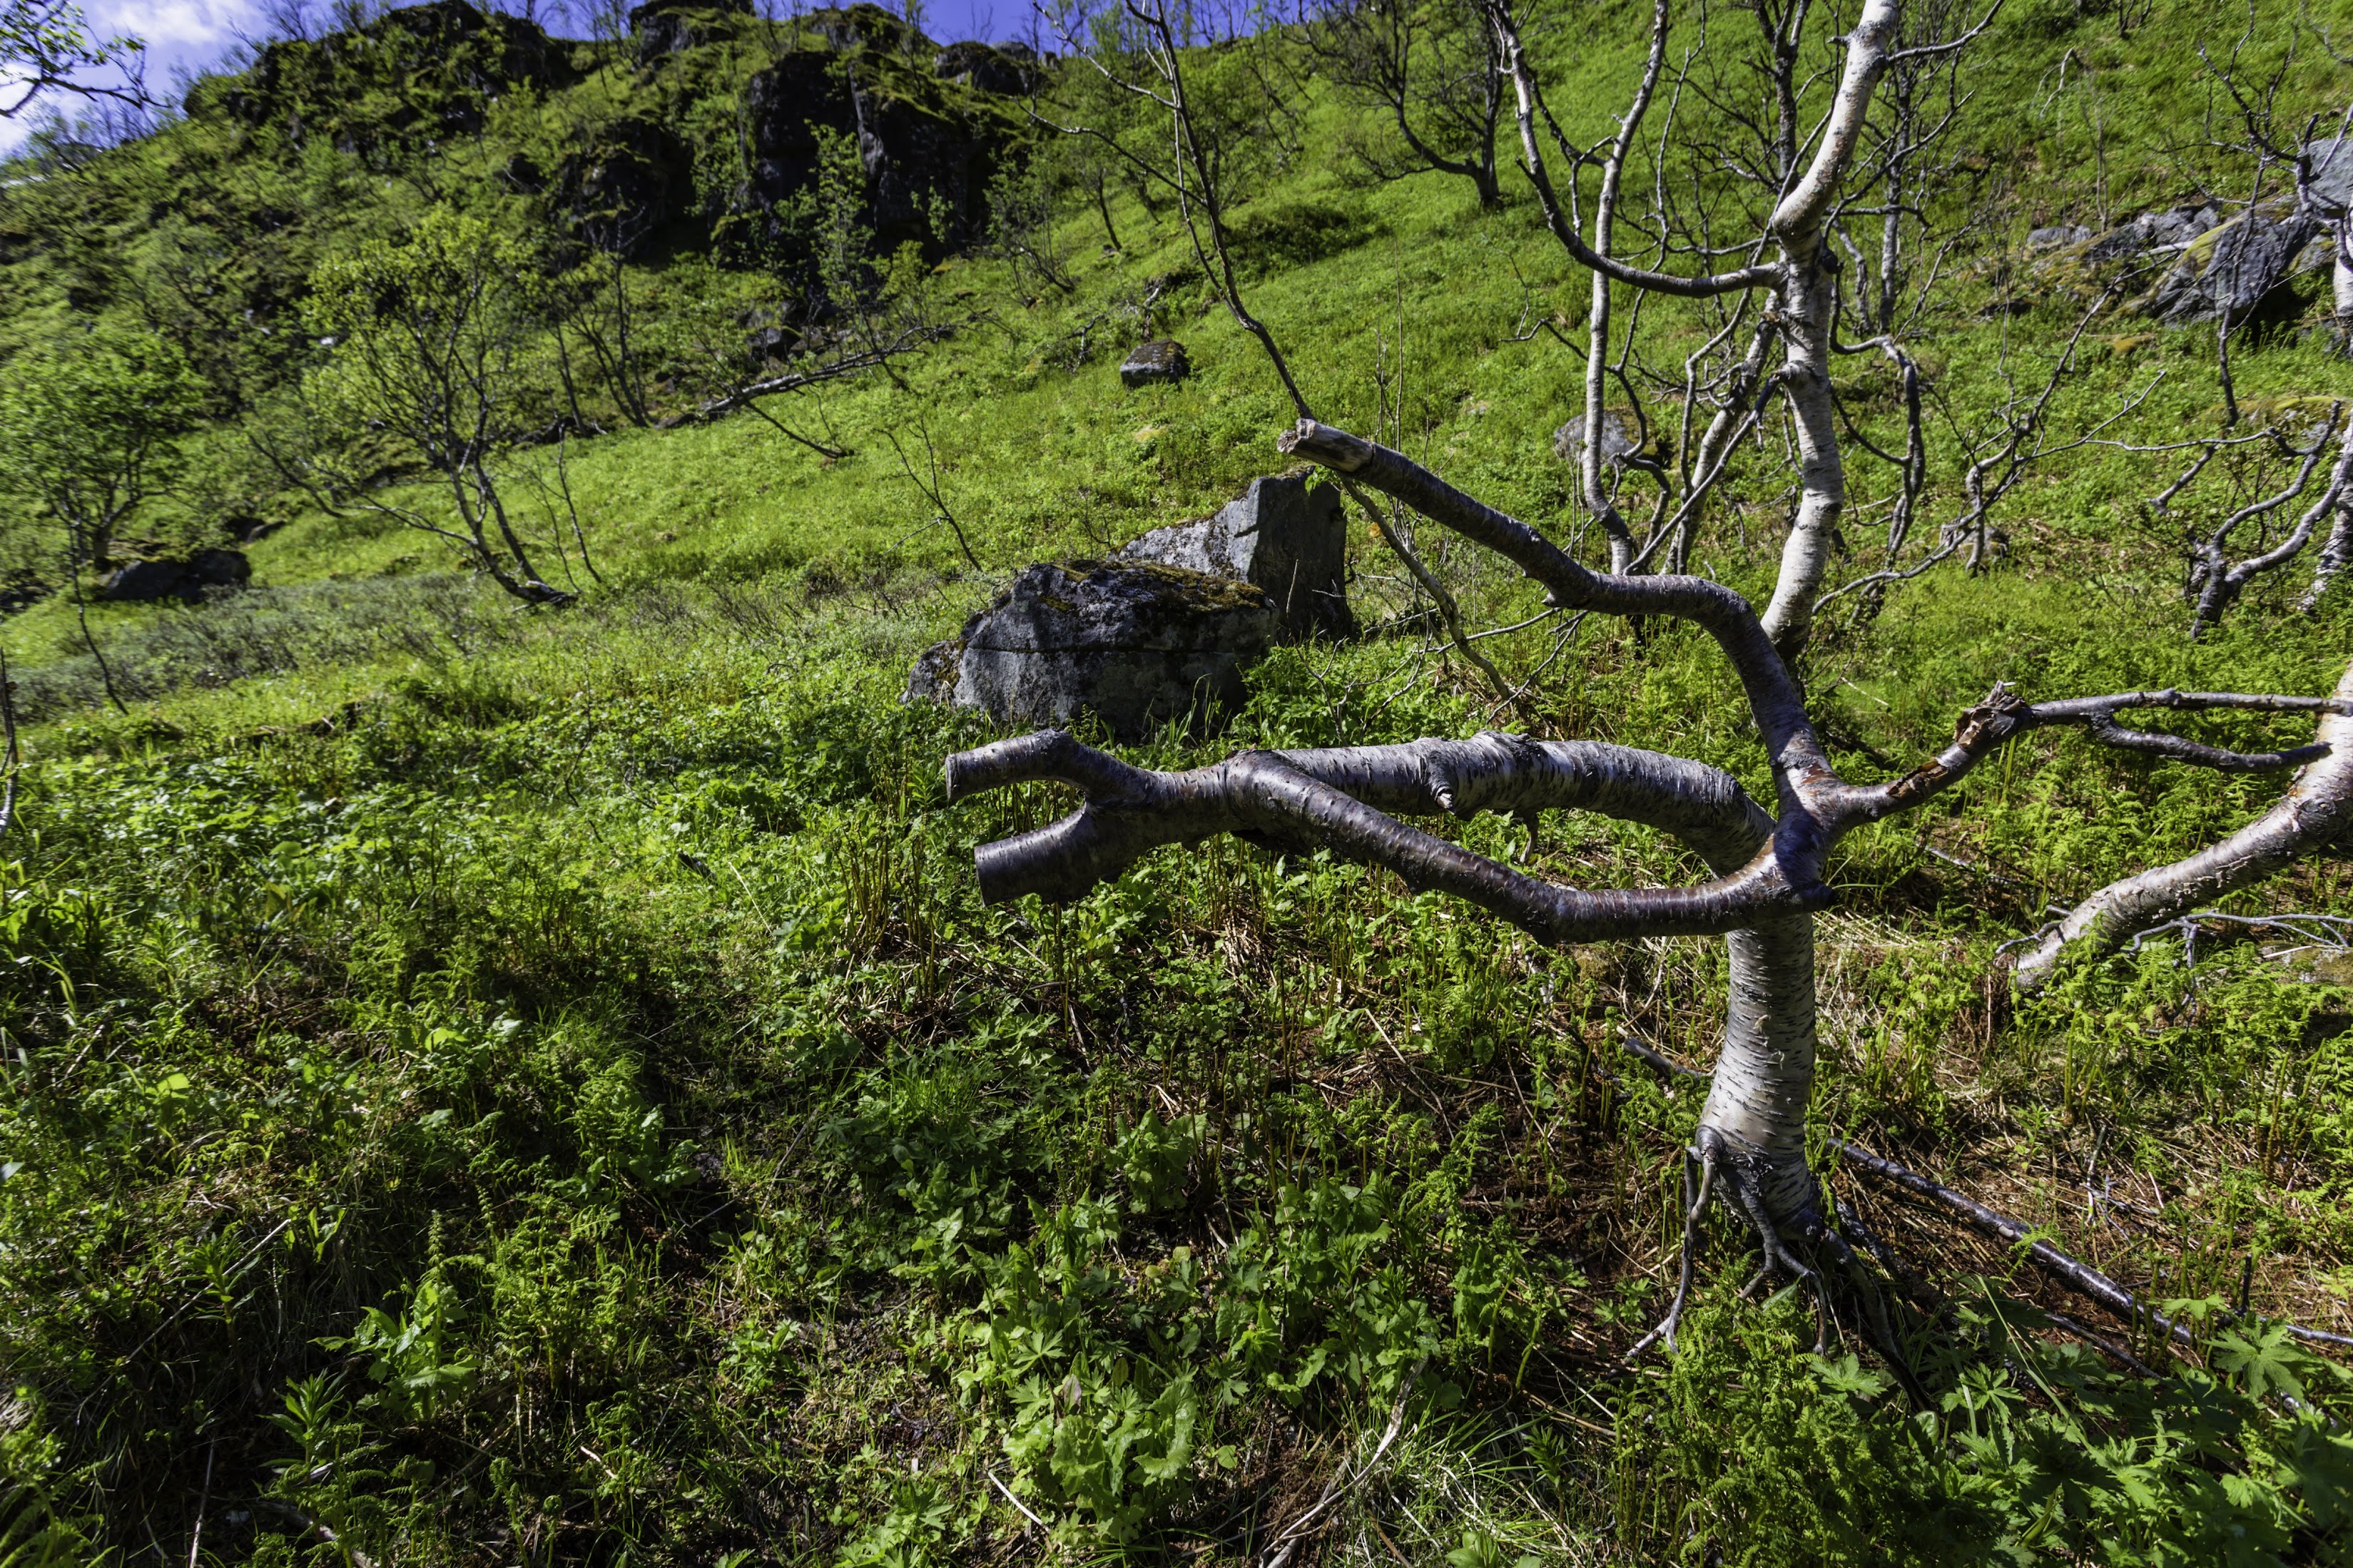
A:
(1806, 301)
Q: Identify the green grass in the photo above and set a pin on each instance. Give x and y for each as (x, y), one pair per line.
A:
(496, 1086)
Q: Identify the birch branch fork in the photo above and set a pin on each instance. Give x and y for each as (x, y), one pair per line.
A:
(1768, 867)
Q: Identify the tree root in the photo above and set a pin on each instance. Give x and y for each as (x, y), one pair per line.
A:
(1713, 1165)
(2072, 1273)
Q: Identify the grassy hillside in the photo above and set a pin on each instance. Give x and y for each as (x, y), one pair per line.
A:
(493, 1084)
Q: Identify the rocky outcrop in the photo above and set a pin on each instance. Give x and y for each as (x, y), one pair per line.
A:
(1286, 536)
(2235, 269)
(927, 171)
(1137, 644)
(145, 580)
(2196, 265)
(659, 28)
(1010, 70)
(635, 179)
(2168, 229)
(439, 65)
(1158, 362)
(866, 26)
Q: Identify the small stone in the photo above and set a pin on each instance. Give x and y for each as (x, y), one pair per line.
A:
(2057, 235)
(1161, 359)
(1618, 441)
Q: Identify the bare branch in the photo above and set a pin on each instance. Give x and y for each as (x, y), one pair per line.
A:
(2316, 810)
(1773, 696)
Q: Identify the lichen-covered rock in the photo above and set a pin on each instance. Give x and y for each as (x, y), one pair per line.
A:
(1285, 535)
(2232, 270)
(933, 677)
(1135, 642)
(1161, 359)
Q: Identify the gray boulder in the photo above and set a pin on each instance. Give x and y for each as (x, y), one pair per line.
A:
(143, 581)
(2168, 227)
(2232, 274)
(2329, 175)
(2057, 235)
(1161, 359)
(1135, 642)
(1286, 536)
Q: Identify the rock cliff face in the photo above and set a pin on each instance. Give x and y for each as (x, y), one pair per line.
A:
(917, 113)
(661, 28)
(634, 180)
(927, 170)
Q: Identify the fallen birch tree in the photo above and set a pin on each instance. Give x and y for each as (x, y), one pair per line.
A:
(1769, 864)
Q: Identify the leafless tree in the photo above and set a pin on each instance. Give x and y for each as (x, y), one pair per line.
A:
(1430, 72)
(596, 319)
(1866, 161)
(1769, 864)
(1195, 130)
(2216, 580)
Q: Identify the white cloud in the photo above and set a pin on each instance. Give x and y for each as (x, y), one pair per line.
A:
(177, 31)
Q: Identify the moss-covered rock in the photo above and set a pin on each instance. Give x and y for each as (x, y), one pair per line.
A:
(1136, 643)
